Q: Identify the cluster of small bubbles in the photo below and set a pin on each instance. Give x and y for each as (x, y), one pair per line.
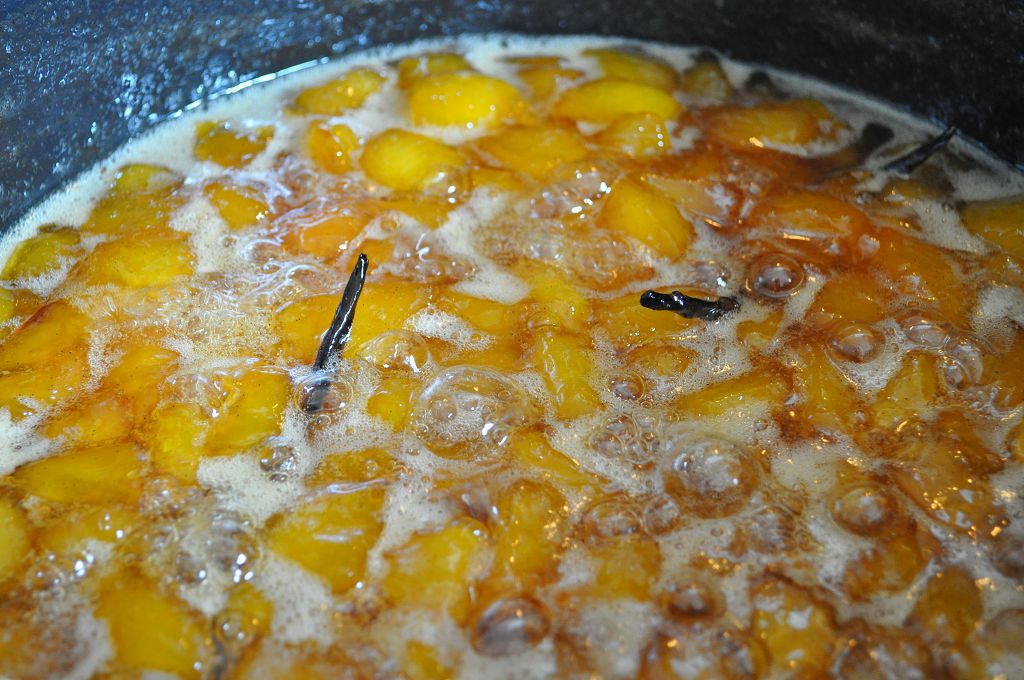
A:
(704, 651)
(164, 497)
(575, 194)
(856, 342)
(628, 439)
(512, 240)
(509, 626)
(775, 276)
(709, 475)
(204, 390)
(865, 509)
(232, 631)
(278, 460)
(187, 569)
(606, 261)
(397, 350)
(231, 545)
(629, 386)
(425, 262)
(923, 330)
(616, 516)
(469, 406)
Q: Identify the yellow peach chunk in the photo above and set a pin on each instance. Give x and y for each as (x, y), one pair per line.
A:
(626, 566)
(42, 253)
(331, 534)
(565, 362)
(803, 215)
(758, 334)
(855, 297)
(757, 126)
(154, 257)
(28, 391)
(174, 435)
(558, 302)
(644, 214)
(15, 541)
(322, 231)
(629, 324)
(487, 315)
(384, 305)
(949, 609)
(545, 80)
(71, 533)
(301, 324)
(407, 161)
(107, 473)
(910, 393)
(535, 454)
(139, 375)
(798, 630)
(8, 305)
(534, 151)
(999, 222)
(331, 146)
(706, 79)
(430, 211)
(634, 66)
(352, 467)
(142, 196)
(639, 135)
(433, 570)
(252, 411)
(150, 630)
(95, 421)
(531, 525)
(827, 399)
(56, 330)
(761, 388)
(602, 101)
(391, 399)
(423, 662)
(464, 99)
(412, 69)
(240, 205)
(349, 91)
(228, 145)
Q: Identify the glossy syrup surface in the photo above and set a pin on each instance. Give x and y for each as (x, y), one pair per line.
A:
(519, 471)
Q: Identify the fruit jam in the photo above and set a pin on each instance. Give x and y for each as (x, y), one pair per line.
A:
(517, 470)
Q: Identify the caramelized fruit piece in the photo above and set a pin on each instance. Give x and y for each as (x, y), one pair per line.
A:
(433, 570)
(142, 196)
(634, 66)
(174, 434)
(423, 662)
(352, 467)
(323, 230)
(230, 146)
(783, 124)
(910, 393)
(150, 630)
(101, 474)
(545, 80)
(626, 566)
(331, 534)
(241, 205)
(42, 253)
(384, 305)
(331, 146)
(998, 222)
(154, 257)
(301, 324)
(95, 421)
(407, 161)
(252, 410)
(349, 91)
(603, 101)
(949, 608)
(797, 629)
(534, 453)
(564, 361)
(465, 99)
(642, 213)
(412, 69)
(707, 79)
(534, 151)
(638, 135)
(105, 524)
(15, 541)
(530, 526)
(747, 393)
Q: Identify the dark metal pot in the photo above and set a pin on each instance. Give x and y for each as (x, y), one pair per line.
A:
(80, 77)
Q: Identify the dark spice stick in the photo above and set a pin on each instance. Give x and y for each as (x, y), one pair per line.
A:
(906, 163)
(337, 334)
(688, 306)
(870, 139)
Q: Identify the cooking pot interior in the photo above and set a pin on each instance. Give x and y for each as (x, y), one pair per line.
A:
(77, 79)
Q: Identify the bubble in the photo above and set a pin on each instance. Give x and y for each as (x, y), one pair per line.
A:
(699, 651)
(660, 515)
(775, 276)
(864, 510)
(962, 362)
(629, 387)
(469, 411)
(422, 260)
(323, 394)
(689, 596)
(923, 330)
(627, 439)
(875, 653)
(604, 261)
(509, 626)
(576, 192)
(397, 350)
(710, 476)
(165, 497)
(279, 461)
(772, 530)
(188, 570)
(856, 342)
(609, 518)
(232, 630)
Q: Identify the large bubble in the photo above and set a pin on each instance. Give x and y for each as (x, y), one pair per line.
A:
(708, 475)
